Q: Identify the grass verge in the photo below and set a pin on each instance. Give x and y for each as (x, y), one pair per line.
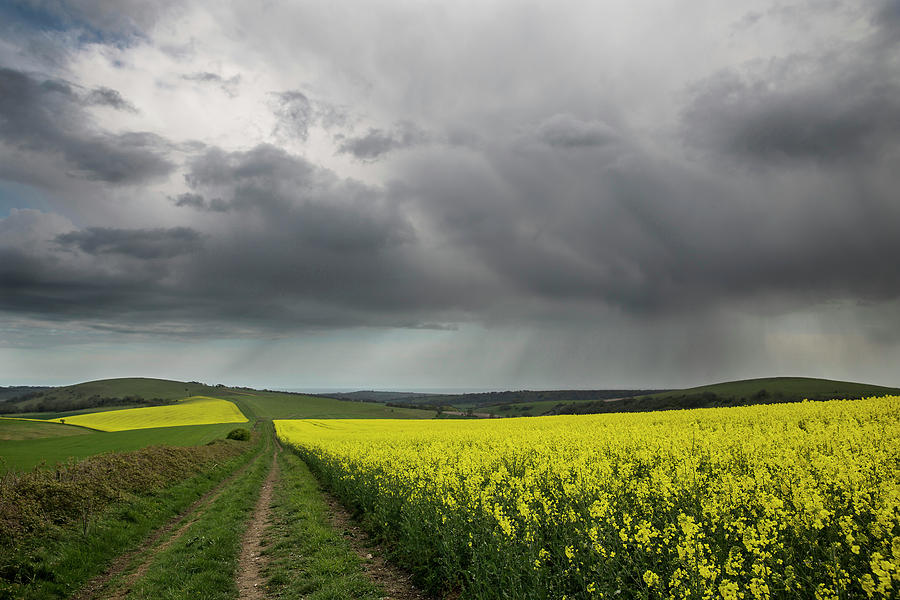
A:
(307, 558)
(203, 561)
(58, 562)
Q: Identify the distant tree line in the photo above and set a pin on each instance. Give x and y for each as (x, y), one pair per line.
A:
(51, 404)
(684, 401)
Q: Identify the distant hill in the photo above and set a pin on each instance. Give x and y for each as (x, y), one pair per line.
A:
(770, 390)
(17, 391)
(129, 391)
(107, 394)
(373, 396)
(481, 399)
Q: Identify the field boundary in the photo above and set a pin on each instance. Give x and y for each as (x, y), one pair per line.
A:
(396, 581)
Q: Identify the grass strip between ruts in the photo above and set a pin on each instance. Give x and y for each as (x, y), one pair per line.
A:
(62, 564)
(307, 558)
(201, 564)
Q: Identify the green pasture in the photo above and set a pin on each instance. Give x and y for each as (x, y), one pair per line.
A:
(15, 430)
(279, 405)
(78, 442)
(47, 416)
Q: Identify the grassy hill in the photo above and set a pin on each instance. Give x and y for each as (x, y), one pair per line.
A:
(130, 391)
(769, 390)
(17, 391)
(286, 405)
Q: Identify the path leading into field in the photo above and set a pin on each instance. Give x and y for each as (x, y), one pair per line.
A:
(127, 571)
(250, 582)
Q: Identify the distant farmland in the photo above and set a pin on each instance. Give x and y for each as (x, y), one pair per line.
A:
(637, 505)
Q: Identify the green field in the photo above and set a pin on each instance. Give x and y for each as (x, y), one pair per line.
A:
(24, 454)
(50, 415)
(11, 430)
(278, 405)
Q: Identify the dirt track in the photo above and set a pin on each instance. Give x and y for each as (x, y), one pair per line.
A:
(250, 582)
(140, 559)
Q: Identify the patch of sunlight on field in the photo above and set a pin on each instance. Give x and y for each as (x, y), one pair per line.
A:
(197, 410)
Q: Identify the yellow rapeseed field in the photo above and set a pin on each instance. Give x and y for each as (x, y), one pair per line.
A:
(787, 501)
(196, 410)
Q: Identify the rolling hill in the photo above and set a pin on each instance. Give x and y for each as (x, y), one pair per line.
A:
(25, 444)
(768, 390)
(129, 391)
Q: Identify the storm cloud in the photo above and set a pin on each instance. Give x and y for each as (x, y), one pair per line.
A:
(46, 116)
(104, 96)
(524, 171)
(377, 142)
(144, 244)
(566, 131)
(837, 105)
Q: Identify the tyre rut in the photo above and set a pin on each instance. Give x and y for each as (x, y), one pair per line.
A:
(250, 582)
(96, 588)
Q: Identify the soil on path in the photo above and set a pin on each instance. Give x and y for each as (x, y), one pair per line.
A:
(97, 587)
(250, 581)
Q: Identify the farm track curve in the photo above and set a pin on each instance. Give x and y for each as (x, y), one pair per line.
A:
(141, 558)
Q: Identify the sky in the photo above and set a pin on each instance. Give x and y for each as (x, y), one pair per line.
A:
(501, 194)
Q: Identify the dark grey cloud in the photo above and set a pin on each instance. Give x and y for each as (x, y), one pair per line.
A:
(843, 117)
(376, 142)
(198, 202)
(839, 105)
(887, 19)
(145, 244)
(47, 116)
(40, 276)
(324, 211)
(289, 245)
(127, 158)
(104, 96)
(567, 131)
(650, 236)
